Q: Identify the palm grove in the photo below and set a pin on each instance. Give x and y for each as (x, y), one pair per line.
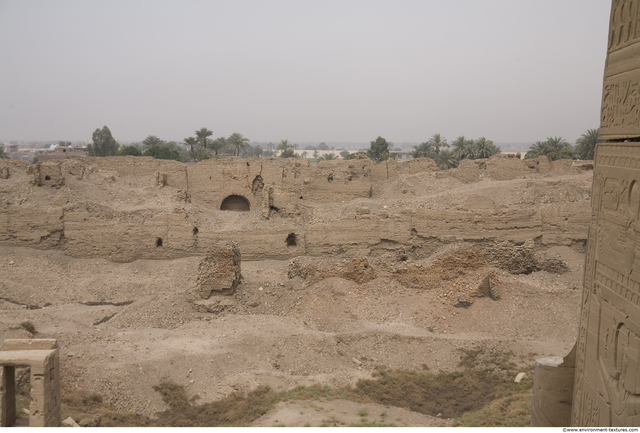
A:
(447, 155)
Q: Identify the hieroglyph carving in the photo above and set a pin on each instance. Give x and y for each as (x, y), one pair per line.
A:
(607, 385)
(620, 115)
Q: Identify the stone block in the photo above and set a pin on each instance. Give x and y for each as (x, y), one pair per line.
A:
(33, 344)
(45, 381)
(219, 271)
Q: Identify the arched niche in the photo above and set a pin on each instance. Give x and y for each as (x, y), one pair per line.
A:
(236, 203)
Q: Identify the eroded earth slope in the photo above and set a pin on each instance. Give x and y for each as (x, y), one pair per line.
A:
(422, 264)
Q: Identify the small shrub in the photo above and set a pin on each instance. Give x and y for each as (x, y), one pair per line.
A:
(172, 394)
(372, 424)
(28, 326)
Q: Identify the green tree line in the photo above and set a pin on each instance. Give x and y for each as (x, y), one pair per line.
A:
(446, 155)
(558, 148)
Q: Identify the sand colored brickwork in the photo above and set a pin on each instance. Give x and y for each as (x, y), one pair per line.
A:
(129, 208)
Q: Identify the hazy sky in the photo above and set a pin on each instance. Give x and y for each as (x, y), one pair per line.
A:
(304, 70)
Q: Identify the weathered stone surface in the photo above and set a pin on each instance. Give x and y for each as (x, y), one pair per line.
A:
(607, 381)
(93, 421)
(357, 269)
(620, 115)
(69, 422)
(34, 344)
(115, 207)
(552, 390)
(607, 387)
(43, 359)
(219, 272)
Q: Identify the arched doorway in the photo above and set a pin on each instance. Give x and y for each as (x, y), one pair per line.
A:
(236, 203)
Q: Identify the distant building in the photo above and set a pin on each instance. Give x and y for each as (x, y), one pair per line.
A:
(61, 152)
(403, 155)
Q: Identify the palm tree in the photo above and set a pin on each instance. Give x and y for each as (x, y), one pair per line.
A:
(559, 149)
(3, 154)
(446, 160)
(191, 141)
(218, 144)
(328, 156)
(462, 148)
(200, 153)
(286, 149)
(484, 148)
(437, 141)
(202, 135)
(553, 148)
(423, 150)
(151, 140)
(256, 151)
(586, 144)
(238, 141)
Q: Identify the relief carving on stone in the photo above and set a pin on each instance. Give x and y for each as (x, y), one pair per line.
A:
(620, 114)
(607, 385)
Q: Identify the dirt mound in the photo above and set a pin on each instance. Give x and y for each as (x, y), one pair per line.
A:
(313, 270)
(385, 257)
(523, 259)
(430, 275)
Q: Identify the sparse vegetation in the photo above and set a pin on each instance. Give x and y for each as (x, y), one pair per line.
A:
(328, 157)
(372, 424)
(129, 150)
(483, 394)
(27, 326)
(553, 148)
(286, 149)
(586, 144)
(462, 148)
(163, 152)
(379, 150)
(103, 143)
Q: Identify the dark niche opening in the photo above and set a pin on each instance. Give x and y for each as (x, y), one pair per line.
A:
(195, 231)
(159, 242)
(292, 240)
(47, 177)
(257, 184)
(236, 203)
(330, 178)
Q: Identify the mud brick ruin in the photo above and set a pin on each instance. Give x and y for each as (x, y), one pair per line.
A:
(219, 272)
(41, 355)
(129, 208)
(101, 207)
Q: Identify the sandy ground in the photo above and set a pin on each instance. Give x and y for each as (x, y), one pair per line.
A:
(273, 331)
(124, 327)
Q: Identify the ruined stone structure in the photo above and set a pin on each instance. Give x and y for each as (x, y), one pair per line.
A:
(41, 355)
(219, 272)
(129, 208)
(606, 390)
